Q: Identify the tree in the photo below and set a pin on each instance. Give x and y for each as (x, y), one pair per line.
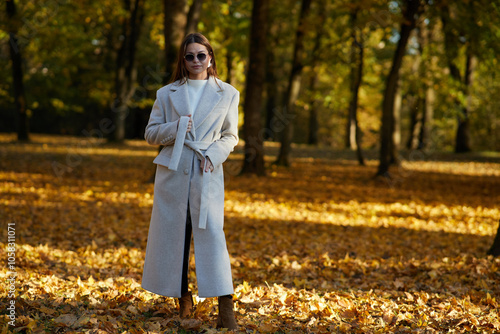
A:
(387, 145)
(126, 71)
(495, 248)
(421, 105)
(277, 57)
(255, 82)
(193, 16)
(321, 13)
(177, 22)
(353, 133)
(174, 27)
(17, 74)
(293, 86)
(455, 31)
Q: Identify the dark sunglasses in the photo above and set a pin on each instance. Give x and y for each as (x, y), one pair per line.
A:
(200, 56)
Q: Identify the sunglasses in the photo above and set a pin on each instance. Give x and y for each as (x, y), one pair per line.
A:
(201, 57)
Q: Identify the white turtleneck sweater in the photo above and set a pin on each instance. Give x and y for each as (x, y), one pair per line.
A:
(195, 90)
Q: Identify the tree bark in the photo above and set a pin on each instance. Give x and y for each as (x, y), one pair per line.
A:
(193, 16)
(126, 71)
(174, 26)
(293, 87)
(229, 65)
(388, 121)
(414, 104)
(495, 248)
(426, 31)
(396, 134)
(428, 116)
(451, 39)
(273, 93)
(462, 142)
(353, 133)
(254, 148)
(313, 112)
(313, 116)
(421, 104)
(17, 75)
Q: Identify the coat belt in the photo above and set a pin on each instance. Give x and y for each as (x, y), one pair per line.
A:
(197, 147)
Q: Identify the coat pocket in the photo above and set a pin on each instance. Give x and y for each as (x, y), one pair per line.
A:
(163, 158)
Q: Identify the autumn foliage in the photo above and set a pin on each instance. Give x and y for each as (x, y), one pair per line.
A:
(321, 247)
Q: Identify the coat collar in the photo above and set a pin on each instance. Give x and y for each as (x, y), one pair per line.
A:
(211, 95)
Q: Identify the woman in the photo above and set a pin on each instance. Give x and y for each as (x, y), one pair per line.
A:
(196, 119)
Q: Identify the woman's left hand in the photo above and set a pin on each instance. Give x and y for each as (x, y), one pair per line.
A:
(209, 166)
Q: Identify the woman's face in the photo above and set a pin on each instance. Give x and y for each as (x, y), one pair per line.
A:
(197, 68)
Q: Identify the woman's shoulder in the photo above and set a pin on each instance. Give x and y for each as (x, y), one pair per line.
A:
(167, 88)
(227, 88)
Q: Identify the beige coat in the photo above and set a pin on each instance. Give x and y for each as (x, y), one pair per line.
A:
(179, 179)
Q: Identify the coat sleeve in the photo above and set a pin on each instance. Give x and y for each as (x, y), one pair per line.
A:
(220, 149)
(159, 131)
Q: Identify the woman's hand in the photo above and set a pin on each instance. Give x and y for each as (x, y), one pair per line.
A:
(209, 166)
(190, 123)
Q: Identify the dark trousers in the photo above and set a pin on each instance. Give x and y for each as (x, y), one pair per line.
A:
(187, 246)
(185, 263)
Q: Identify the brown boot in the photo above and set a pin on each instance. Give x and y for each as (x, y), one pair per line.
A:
(186, 304)
(226, 317)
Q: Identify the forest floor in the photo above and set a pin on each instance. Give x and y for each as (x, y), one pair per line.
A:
(320, 247)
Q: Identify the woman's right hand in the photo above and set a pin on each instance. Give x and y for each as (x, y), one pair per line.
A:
(190, 123)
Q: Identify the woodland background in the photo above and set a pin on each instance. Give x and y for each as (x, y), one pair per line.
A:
(333, 93)
(396, 74)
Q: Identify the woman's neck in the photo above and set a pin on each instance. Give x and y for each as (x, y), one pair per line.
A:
(199, 76)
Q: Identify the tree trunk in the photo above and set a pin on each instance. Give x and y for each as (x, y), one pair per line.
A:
(17, 75)
(495, 248)
(193, 17)
(174, 26)
(272, 101)
(462, 142)
(428, 64)
(388, 121)
(229, 65)
(293, 87)
(254, 148)
(415, 98)
(428, 115)
(396, 134)
(451, 39)
(413, 104)
(273, 93)
(353, 133)
(126, 71)
(313, 117)
(350, 137)
(313, 112)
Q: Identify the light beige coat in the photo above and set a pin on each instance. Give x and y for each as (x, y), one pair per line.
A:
(179, 179)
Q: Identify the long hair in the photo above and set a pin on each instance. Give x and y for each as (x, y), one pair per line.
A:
(181, 73)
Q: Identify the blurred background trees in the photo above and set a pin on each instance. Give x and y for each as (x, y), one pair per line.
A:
(73, 61)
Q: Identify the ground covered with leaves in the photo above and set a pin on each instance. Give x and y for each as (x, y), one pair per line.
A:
(320, 247)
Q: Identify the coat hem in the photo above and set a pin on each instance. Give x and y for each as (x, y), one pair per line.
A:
(164, 294)
(173, 295)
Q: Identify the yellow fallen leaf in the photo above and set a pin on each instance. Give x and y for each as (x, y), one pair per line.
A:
(66, 319)
(47, 310)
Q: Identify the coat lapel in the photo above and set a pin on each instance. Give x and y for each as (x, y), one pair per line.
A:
(211, 95)
(179, 99)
